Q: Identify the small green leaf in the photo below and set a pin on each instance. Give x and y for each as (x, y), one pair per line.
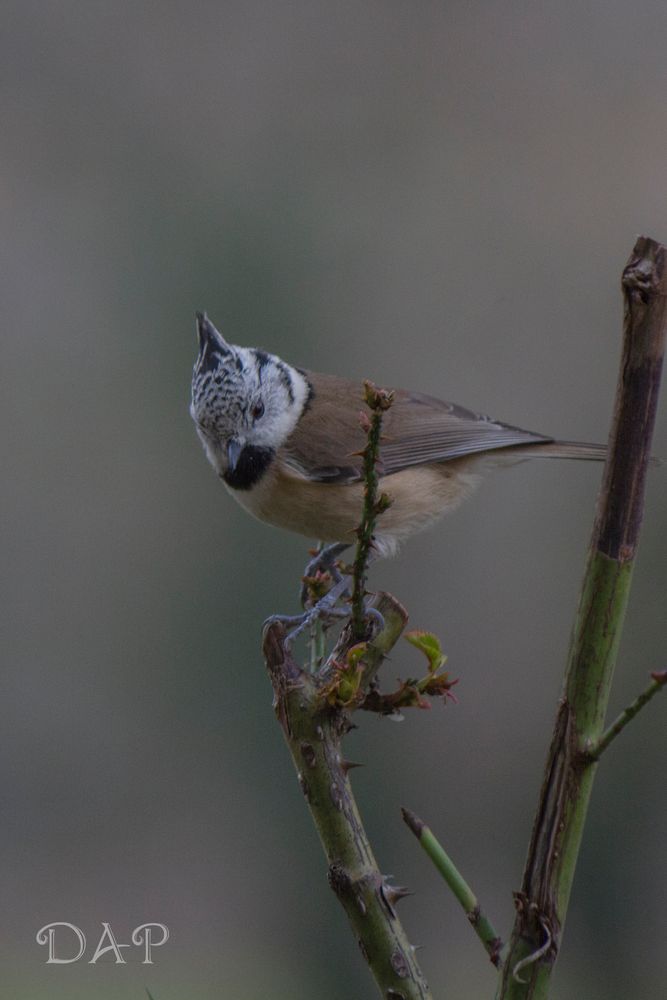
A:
(429, 645)
(356, 653)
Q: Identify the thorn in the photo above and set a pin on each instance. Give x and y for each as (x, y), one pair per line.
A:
(347, 765)
(392, 894)
(395, 893)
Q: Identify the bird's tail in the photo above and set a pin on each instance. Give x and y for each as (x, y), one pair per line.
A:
(574, 449)
(567, 449)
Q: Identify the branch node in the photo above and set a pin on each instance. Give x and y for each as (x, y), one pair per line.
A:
(595, 748)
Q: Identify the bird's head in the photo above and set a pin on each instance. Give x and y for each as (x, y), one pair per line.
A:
(245, 404)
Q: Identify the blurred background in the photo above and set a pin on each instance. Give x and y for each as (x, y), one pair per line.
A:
(435, 195)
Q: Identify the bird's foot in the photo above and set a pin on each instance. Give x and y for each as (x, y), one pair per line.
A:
(327, 613)
(324, 611)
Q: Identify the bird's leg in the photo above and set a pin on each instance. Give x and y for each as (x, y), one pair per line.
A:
(323, 612)
(324, 561)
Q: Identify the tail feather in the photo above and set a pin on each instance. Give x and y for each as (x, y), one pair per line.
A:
(568, 449)
(575, 449)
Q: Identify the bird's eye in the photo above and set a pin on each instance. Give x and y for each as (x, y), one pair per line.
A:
(257, 410)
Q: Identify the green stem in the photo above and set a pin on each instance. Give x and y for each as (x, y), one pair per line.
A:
(596, 750)
(481, 924)
(569, 773)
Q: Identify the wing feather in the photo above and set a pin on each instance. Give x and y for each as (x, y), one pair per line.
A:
(418, 430)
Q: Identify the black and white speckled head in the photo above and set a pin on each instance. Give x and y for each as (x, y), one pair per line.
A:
(245, 404)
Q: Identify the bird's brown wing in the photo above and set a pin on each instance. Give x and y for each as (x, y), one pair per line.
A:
(417, 430)
(421, 429)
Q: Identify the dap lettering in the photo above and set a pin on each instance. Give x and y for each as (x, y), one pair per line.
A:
(71, 942)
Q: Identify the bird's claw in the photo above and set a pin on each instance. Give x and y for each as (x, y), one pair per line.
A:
(375, 616)
(324, 610)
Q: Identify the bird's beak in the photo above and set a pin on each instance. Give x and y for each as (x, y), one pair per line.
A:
(234, 449)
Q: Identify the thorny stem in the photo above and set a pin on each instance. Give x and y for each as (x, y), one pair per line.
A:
(378, 400)
(480, 922)
(313, 730)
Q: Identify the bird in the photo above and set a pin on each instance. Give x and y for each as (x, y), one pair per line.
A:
(286, 443)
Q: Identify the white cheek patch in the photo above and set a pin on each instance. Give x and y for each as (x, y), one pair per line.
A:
(289, 417)
(282, 413)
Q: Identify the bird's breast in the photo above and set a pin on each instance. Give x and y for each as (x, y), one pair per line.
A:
(332, 512)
